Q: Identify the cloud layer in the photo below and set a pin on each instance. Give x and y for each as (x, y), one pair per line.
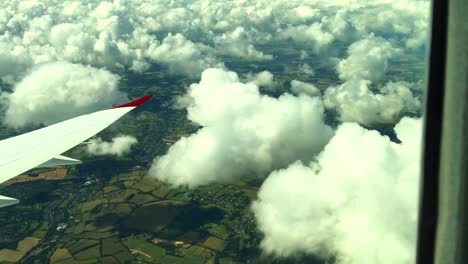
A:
(243, 132)
(358, 201)
(186, 37)
(133, 35)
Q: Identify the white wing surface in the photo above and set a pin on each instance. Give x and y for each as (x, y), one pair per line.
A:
(44, 146)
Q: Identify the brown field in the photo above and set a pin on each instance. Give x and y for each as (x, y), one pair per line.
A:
(9, 255)
(60, 254)
(27, 244)
(214, 243)
(55, 174)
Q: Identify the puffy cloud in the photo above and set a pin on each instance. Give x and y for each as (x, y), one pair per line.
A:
(312, 34)
(57, 91)
(264, 78)
(238, 136)
(354, 101)
(340, 25)
(407, 21)
(12, 61)
(306, 69)
(367, 59)
(119, 146)
(301, 14)
(357, 201)
(101, 34)
(3, 101)
(93, 34)
(298, 87)
(182, 55)
(237, 43)
(119, 34)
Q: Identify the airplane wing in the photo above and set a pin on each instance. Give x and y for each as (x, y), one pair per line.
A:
(42, 147)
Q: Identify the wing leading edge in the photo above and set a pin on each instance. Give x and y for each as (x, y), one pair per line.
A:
(44, 146)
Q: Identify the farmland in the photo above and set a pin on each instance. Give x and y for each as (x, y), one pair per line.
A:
(107, 210)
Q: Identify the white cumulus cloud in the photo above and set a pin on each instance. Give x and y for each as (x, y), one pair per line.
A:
(262, 79)
(243, 132)
(311, 34)
(357, 202)
(298, 87)
(126, 35)
(354, 101)
(119, 146)
(367, 59)
(182, 55)
(54, 92)
(237, 43)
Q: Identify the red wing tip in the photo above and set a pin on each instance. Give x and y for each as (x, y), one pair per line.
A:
(136, 102)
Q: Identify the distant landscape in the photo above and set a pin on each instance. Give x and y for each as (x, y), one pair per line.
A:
(107, 211)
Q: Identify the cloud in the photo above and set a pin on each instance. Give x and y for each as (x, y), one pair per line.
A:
(298, 87)
(406, 21)
(58, 91)
(119, 146)
(311, 34)
(101, 34)
(367, 59)
(118, 35)
(12, 61)
(306, 69)
(263, 79)
(301, 14)
(357, 202)
(183, 56)
(3, 101)
(238, 136)
(237, 43)
(341, 26)
(355, 102)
